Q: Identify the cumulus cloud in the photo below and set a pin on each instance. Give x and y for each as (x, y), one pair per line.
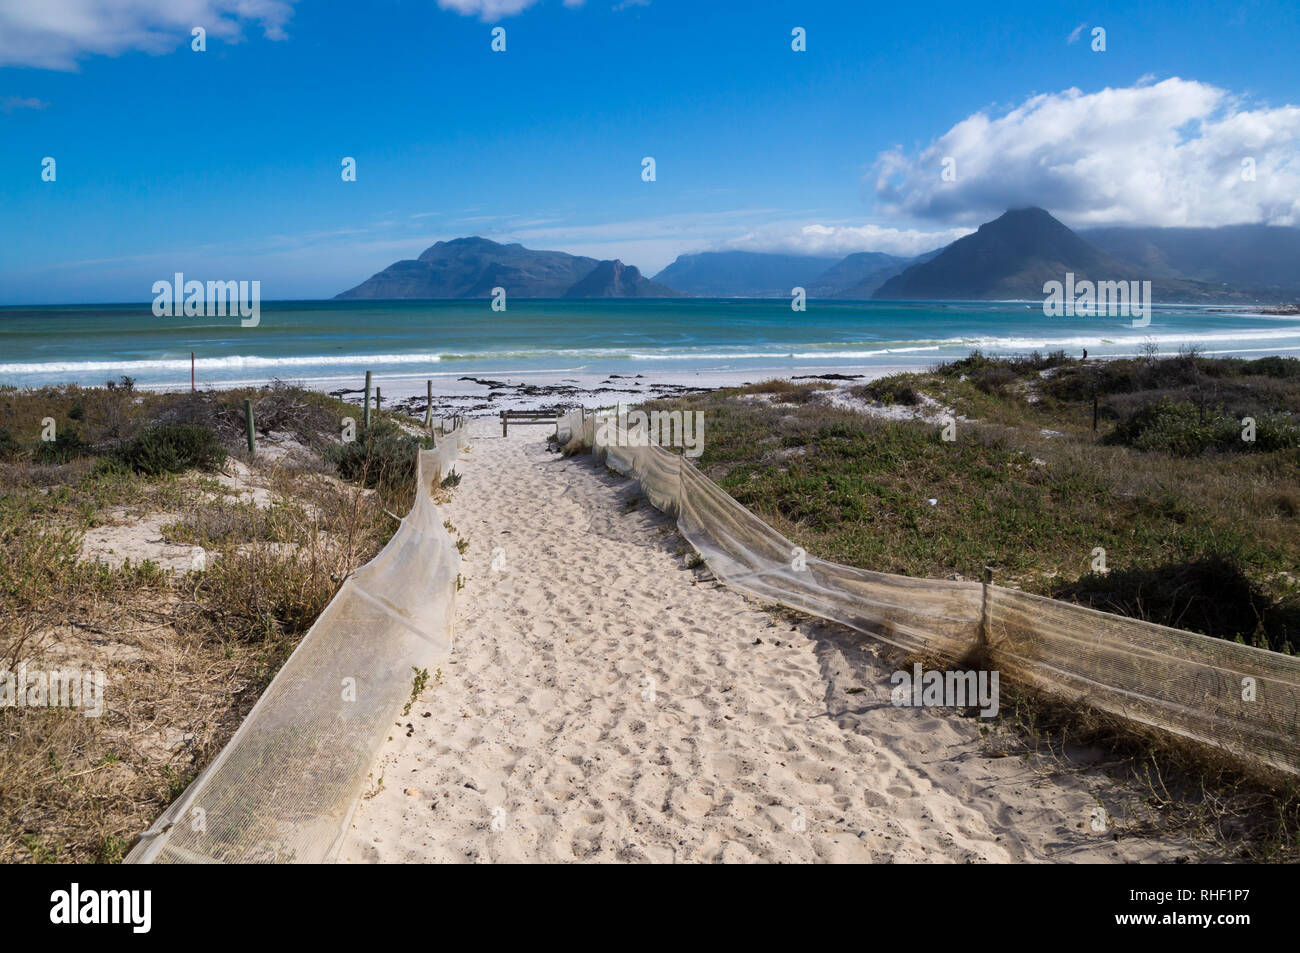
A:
(54, 34)
(1167, 153)
(834, 240)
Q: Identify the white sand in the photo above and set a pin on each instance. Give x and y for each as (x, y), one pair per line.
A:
(542, 743)
(571, 387)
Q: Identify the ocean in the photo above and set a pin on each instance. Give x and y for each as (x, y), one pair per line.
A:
(333, 343)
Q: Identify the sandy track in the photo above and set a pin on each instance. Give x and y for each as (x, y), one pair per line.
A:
(544, 742)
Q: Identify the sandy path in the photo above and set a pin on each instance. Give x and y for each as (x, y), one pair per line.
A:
(760, 741)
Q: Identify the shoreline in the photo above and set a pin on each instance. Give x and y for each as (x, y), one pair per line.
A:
(486, 393)
(480, 395)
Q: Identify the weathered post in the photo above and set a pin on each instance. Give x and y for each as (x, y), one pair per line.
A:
(379, 401)
(984, 615)
(428, 406)
(365, 413)
(248, 421)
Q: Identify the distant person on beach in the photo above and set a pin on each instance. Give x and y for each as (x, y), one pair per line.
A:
(1085, 353)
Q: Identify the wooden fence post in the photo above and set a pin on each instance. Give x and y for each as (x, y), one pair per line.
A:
(365, 413)
(248, 420)
(984, 615)
(428, 406)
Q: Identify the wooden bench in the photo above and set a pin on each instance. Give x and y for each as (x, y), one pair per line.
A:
(526, 417)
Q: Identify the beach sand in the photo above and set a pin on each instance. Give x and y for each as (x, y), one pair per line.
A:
(490, 392)
(603, 702)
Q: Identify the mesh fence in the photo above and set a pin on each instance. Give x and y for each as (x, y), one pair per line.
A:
(284, 787)
(1235, 697)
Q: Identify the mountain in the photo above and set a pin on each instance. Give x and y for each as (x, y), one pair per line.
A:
(1259, 259)
(745, 274)
(613, 279)
(742, 274)
(472, 267)
(860, 275)
(1012, 256)
(863, 268)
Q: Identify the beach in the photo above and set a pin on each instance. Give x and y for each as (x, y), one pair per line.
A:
(605, 702)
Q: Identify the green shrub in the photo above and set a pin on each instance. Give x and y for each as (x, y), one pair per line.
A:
(1181, 429)
(383, 456)
(895, 389)
(65, 447)
(171, 448)
(1211, 594)
(993, 375)
(1279, 367)
(994, 379)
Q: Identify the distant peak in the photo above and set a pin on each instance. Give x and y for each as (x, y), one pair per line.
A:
(1030, 217)
(470, 240)
(1030, 213)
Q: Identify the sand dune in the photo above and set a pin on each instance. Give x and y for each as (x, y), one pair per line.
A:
(605, 703)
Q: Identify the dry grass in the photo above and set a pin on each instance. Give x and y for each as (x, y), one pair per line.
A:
(185, 655)
(784, 391)
(1169, 785)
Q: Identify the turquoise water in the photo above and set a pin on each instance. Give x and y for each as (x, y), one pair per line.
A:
(337, 340)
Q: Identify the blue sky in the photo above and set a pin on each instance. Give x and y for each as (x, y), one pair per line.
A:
(226, 163)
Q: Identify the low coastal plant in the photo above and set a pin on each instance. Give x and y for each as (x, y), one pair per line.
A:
(170, 448)
(64, 448)
(382, 457)
(895, 389)
(1180, 428)
(418, 684)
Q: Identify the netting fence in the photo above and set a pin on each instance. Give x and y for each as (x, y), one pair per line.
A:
(284, 787)
(1234, 697)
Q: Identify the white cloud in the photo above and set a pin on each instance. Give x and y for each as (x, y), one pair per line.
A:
(488, 10)
(54, 34)
(491, 10)
(1167, 153)
(9, 103)
(836, 240)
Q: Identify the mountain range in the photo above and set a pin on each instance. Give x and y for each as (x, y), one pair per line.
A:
(1012, 256)
(472, 267)
(1008, 258)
